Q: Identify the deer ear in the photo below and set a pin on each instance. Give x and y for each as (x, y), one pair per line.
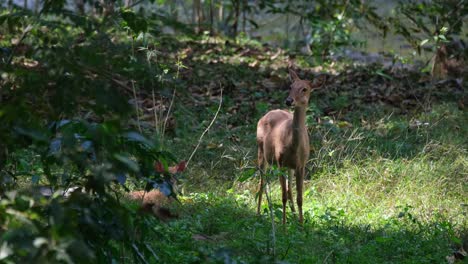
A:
(319, 81)
(293, 76)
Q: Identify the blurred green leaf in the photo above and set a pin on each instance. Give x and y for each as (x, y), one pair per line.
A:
(127, 161)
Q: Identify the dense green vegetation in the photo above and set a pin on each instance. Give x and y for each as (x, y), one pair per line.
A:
(94, 98)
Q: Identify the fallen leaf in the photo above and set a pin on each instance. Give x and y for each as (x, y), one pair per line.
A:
(212, 145)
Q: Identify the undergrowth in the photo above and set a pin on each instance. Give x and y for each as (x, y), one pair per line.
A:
(390, 188)
(386, 177)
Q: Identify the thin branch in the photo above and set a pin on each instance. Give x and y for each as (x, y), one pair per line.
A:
(453, 11)
(23, 36)
(417, 24)
(136, 106)
(156, 122)
(272, 216)
(135, 4)
(326, 258)
(167, 115)
(208, 128)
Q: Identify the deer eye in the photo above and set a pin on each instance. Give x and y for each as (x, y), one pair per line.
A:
(304, 90)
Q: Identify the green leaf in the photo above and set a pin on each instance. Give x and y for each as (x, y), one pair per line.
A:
(5, 251)
(424, 41)
(456, 240)
(137, 137)
(247, 174)
(129, 163)
(253, 23)
(381, 73)
(136, 24)
(31, 133)
(35, 179)
(138, 253)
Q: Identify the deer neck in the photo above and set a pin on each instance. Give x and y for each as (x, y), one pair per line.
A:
(298, 125)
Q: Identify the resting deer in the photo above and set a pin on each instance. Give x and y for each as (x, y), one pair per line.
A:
(155, 201)
(282, 138)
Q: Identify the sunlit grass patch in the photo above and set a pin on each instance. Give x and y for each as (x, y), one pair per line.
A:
(391, 189)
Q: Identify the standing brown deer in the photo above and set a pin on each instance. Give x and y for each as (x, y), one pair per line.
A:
(282, 138)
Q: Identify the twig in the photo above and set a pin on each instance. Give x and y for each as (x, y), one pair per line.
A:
(451, 13)
(23, 36)
(287, 251)
(136, 106)
(155, 113)
(272, 217)
(167, 115)
(208, 128)
(115, 80)
(326, 258)
(135, 4)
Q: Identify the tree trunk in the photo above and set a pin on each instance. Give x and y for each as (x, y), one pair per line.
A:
(305, 37)
(80, 6)
(211, 19)
(286, 42)
(37, 5)
(196, 16)
(2, 156)
(108, 7)
(439, 68)
(186, 14)
(174, 11)
(25, 4)
(202, 15)
(220, 13)
(236, 6)
(244, 16)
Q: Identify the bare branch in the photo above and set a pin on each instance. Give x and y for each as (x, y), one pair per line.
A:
(209, 126)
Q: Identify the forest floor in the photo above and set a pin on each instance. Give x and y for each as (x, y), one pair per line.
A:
(387, 177)
(386, 180)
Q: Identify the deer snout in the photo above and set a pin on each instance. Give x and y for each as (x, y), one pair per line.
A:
(289, 101)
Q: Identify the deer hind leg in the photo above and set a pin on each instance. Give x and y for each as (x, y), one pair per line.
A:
(290, 197)
(284, 196)
(299, 186)
(261, 166)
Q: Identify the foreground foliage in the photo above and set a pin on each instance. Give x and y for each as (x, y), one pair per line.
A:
(66, 122)
(387, 175)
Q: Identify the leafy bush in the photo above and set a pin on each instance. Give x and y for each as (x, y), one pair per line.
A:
(329, 24)
(64, 103)
(423, 22)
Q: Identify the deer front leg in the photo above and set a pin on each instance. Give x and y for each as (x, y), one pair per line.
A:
(290, 198)
(299, 186)
(284, 194)
(260, 192)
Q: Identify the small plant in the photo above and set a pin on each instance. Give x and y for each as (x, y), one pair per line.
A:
(434, 26)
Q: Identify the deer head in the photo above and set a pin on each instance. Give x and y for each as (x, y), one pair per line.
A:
(301, 89)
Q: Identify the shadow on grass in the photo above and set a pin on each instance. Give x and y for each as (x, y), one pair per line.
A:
(363, 117)
(219, 229)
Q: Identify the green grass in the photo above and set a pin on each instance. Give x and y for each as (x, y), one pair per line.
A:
(392, 189)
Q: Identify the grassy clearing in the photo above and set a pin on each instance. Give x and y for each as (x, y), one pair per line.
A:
(387, 184)
(388, 189)
(382, 188)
